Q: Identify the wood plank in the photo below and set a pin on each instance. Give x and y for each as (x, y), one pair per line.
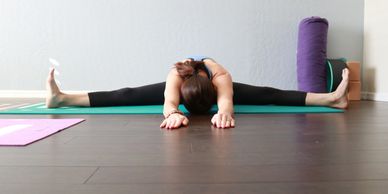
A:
(351, 187)
(215, 174)
(191, 159)
(44, 174)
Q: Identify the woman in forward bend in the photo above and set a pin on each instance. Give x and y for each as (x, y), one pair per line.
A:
(198, 83)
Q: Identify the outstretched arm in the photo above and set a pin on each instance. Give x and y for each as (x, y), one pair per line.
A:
(173, 117)
(222, 81)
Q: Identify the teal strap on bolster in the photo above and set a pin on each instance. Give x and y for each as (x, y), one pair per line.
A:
(329, 76)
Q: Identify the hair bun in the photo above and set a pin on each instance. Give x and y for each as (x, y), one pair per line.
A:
(185, 69)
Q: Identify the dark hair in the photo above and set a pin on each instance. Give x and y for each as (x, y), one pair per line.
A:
(198, 92)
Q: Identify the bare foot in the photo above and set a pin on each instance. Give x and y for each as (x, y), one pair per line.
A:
(340, 95)
(54, 95)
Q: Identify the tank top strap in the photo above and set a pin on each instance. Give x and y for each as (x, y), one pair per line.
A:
(201, 58)
(209, 72)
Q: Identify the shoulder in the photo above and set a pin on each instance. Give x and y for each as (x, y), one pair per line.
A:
(216, 68)
(173, 73)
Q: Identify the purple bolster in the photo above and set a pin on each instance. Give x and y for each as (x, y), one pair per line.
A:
(311, 54)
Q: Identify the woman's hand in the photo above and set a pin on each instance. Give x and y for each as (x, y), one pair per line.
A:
(174, 121)
(223, 120)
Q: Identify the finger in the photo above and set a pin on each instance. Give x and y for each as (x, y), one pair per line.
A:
(178, 123)
(223, 121)
(218, 122)
(227, 124)
(167, 123)
(230, 119)
(173, 123)
(185, 121)
(213, 121)
(232, 123)
(163, 123)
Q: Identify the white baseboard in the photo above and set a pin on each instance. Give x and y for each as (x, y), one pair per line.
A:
(30, 93)
(374, 96)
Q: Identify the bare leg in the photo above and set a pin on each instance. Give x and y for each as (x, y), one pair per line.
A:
(56, 98)
(336, 99)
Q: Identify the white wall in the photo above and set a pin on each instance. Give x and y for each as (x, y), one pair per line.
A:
(375, 50)
(106, 44)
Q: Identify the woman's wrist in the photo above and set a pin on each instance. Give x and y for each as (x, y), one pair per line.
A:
(226, 112)
(175, 111)
(225, 106)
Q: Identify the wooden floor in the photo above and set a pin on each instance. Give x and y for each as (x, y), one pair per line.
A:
(282, 153)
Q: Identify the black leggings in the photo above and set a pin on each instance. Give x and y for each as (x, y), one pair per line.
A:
(154, 95)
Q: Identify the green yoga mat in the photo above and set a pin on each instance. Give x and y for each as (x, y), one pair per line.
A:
(158, 109)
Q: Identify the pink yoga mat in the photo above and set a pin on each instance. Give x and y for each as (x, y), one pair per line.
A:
(21, 132)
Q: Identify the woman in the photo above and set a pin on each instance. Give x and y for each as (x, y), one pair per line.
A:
(198, 83)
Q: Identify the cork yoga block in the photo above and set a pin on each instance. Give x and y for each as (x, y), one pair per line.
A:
(354, 70)
(354, 90)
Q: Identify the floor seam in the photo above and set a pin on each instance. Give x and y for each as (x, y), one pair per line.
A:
(93, 173)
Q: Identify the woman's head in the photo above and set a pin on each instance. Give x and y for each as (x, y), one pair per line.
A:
(197, 90)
